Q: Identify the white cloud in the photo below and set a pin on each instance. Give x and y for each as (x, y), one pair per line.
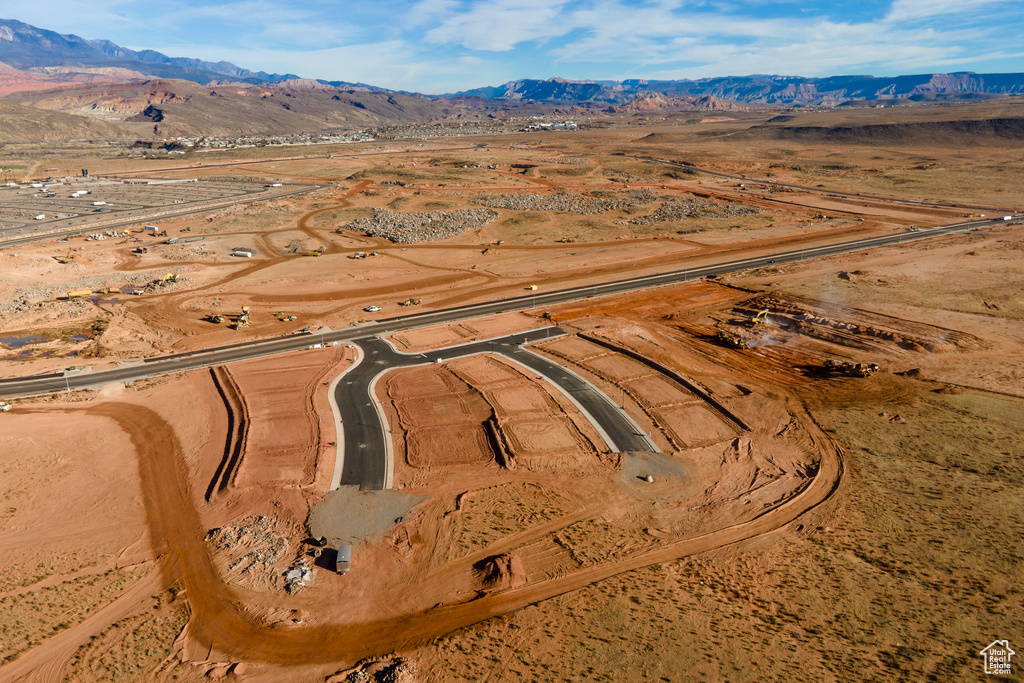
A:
(499, 28)
(914, 10)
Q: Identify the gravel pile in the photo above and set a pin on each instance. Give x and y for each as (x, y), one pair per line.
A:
(254, 534)
(674, 210)
(420, 226)
(35, 297)
(560, 160)
(572, 203)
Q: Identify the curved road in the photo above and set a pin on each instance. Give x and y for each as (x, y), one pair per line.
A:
(365, 443)
(45, 384)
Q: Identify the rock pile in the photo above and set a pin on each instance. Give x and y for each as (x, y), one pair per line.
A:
(560, 160)
(572, 203)
(420, 226)
(674, 210)
(249, 542)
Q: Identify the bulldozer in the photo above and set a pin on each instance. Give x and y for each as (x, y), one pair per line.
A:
(216, 318)
(850, 368)
(732, 340)
(171, 277)
(409, 302)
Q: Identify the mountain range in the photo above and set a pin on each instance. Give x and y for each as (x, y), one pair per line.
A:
(101, 88)
(766, 90)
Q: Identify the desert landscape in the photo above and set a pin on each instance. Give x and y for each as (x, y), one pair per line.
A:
(825, 479)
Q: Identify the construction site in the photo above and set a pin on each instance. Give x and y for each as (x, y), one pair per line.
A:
(594, 405)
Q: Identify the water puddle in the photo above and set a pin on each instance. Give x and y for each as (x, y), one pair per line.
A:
(18, 342)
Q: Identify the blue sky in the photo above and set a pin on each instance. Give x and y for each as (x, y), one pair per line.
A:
(436, 46)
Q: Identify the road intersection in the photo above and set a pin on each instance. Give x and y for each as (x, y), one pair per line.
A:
(364, 431)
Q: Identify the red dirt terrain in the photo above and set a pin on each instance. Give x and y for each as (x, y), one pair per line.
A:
(800, 520)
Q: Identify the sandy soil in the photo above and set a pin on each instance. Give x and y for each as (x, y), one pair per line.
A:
(800, 523)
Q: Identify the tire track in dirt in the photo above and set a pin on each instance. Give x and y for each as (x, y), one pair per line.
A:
(238, 431)
(217, 622)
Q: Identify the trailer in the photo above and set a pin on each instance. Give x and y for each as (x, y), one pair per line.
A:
(344, 560)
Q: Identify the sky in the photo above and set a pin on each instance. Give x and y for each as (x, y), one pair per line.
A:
(440, 46)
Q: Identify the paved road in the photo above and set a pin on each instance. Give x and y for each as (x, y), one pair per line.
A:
(365, 446)
(29, 386)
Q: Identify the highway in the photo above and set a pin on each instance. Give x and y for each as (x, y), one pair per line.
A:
(45, 384)
(365, 433)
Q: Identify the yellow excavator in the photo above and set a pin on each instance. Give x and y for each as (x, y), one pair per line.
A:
(759, 319)
(243, 319)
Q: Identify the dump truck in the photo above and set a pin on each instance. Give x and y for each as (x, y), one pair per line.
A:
(409, 302)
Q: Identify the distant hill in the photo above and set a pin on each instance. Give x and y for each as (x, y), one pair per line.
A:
(165, 108)
(19, 123)
(37, 50)
(783, 90)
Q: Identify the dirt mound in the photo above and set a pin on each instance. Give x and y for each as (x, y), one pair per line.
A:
(501, 572)
(659, 138)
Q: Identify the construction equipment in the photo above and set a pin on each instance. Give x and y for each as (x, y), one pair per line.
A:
(69, 258)
(850, 368)
(732, 340)
(243, 319)
(566, 240)
(532, 288)
(409, 302)
(215, 318)
(171, 277)
(285, 317)
(759, 319)
(79, 294)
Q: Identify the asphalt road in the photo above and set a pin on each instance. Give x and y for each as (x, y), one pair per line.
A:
(366, 450)
(29, 386)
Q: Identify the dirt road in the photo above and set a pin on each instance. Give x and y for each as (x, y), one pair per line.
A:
(177, 533)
